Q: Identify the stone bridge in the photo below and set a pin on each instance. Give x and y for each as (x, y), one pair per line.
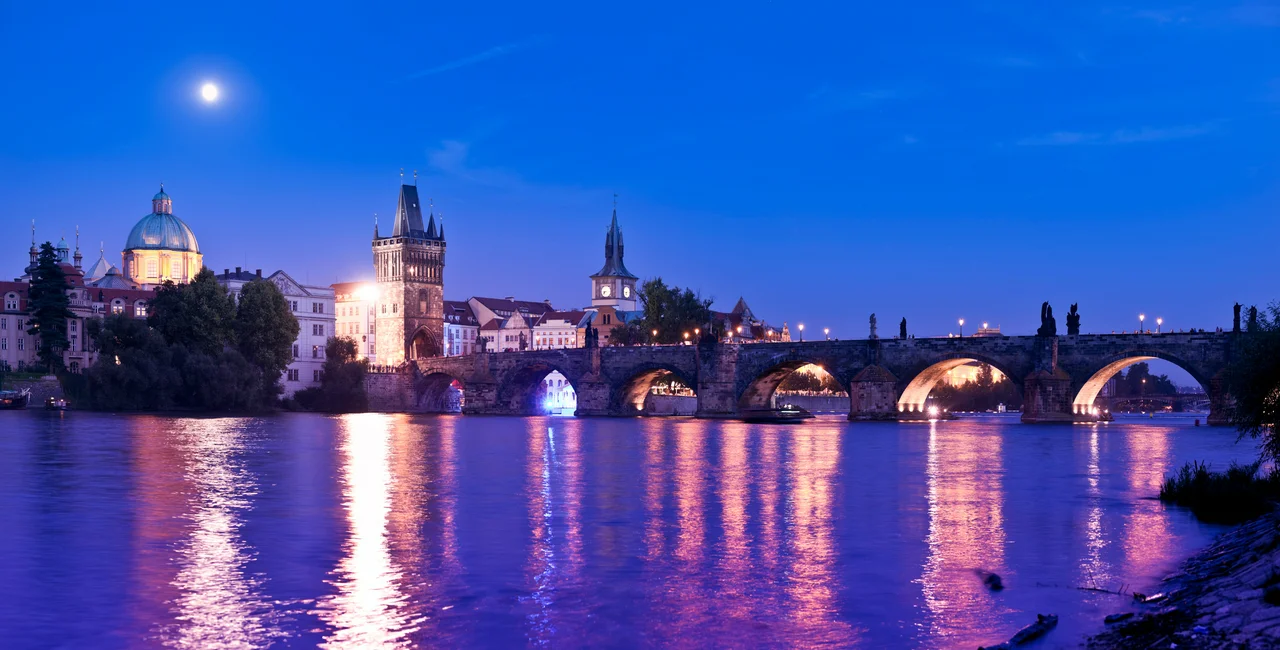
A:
(1060, 377)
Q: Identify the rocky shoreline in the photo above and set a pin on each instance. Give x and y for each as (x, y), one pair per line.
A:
(1226, 596)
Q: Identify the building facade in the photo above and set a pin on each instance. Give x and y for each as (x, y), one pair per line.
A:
(312, 306)
(409, 268)
(161, 247)
(461, 329)
(354, 307)
(559, 329)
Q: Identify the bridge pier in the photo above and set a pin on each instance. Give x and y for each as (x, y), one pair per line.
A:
(873, 395)
(1219, 404)
(1046, 397)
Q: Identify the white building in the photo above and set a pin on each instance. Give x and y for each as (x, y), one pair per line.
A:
(461, 329)
(354, 310)
(313, 307)
(558, 395)
(559, 329)
(503, 320)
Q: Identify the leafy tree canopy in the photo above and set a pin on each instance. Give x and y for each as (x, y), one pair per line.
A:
(200, 316)
(1253, 381)
(341, 387)
(265, 330)
(671, 311)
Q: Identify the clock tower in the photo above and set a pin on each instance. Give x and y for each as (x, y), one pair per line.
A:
(614, 286)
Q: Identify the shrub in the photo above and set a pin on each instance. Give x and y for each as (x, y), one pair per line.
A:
(1230, 497)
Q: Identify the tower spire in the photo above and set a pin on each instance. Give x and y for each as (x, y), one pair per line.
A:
(415, 178)
(375, 225)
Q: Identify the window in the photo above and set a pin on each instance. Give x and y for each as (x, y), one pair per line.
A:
(293, 304)
(393, 307)
(317, 330)
(75, 366)
(175, 269)
(153, 268)
(22, 343)
(293, 374)
(11, 302)
(140, 309)
(73, 325)
(317, 308)
(315, 352)
(4, 344)
(315, 375)
(295, 350)
(4, 323)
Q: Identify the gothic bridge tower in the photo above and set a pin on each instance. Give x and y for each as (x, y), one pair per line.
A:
(409, 265)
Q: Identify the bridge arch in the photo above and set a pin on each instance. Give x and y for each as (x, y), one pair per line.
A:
(518, 388)
(440, 392)
(630, 395)
(923, 380)
(760, 388)
(424, 344)
(1098, 378)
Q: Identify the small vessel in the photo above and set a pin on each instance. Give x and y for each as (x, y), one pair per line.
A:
(14, 399)
(55, 404)
(785, 414)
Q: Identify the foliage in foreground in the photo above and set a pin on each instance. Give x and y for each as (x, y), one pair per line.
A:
(1253, 381)
(49, 308)
(1236, 495)
(341, 388)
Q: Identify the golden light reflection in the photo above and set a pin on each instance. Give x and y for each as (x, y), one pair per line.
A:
(1146, 537)
(815, 458)
(369, 610)
(655, 486)
(219, 602)
(734, 558)
(966, 533)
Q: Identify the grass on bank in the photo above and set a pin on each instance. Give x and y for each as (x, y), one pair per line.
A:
(1231, 497)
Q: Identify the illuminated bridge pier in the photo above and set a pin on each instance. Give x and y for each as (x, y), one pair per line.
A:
(886, 379)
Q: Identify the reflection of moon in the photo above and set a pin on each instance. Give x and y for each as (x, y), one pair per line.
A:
(209, 92)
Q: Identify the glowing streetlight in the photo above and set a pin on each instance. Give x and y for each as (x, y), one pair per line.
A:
(655, 337)
(826, 331)
(1141, 319)
(801, 326)
(1159, 322)
(984, 325)
(686, 338)
(961, 328)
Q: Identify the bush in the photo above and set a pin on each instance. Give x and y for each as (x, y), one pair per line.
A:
(1230, 497)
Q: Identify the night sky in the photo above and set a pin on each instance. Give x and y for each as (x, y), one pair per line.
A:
(824, 160)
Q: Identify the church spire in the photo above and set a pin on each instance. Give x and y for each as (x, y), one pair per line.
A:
(431, 212)
(78, 257)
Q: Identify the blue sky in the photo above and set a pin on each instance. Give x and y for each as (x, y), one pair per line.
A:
(824, 160)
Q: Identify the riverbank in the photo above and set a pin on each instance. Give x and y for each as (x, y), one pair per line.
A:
(1226, 596)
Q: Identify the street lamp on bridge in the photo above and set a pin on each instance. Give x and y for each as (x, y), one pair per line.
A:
(961, 328)
(655, 337)
(826, 331)
(801, 326)
(1142, 318)
(1159, 322)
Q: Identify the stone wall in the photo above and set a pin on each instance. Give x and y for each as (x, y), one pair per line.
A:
(41, 389)
(391, 392)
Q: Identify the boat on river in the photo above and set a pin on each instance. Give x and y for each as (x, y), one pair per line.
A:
(14, 399)
(55, 404)
(785, 414)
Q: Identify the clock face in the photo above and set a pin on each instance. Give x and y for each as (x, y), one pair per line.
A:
(605, 290)
(626, 292)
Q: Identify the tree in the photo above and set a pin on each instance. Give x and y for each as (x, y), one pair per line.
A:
(342, 381)
(265, 330)
(1253, 381)
(49, 307)
(134, 370)
(628, 334)
(200, 316)
(672, 311)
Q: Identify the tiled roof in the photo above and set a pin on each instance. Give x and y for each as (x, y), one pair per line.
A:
(459, 312)
(525, 306)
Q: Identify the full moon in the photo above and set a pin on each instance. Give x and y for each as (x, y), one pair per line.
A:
(209, 92)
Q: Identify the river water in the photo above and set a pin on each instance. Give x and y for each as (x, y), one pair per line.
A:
(372, 530)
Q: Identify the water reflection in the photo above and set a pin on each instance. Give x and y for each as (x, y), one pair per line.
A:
(369, 610)
(554, 496)
(1145, 537)
(812, 577)
(218, 602)
(1095, 570)
(966, 532)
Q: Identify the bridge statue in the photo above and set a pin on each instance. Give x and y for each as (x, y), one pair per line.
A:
(1235, 320)
(1048, 326)
(1073, 321)
(524, 343)
(902, 328)
(873, 328)
(482, 343)
(1253, 318)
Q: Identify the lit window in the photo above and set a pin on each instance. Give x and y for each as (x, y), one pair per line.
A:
(175, 270)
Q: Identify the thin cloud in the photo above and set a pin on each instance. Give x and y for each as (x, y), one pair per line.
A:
(491, 53)
(837, 100)
(1119, 136)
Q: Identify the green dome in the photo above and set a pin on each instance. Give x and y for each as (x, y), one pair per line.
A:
(162, 232)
